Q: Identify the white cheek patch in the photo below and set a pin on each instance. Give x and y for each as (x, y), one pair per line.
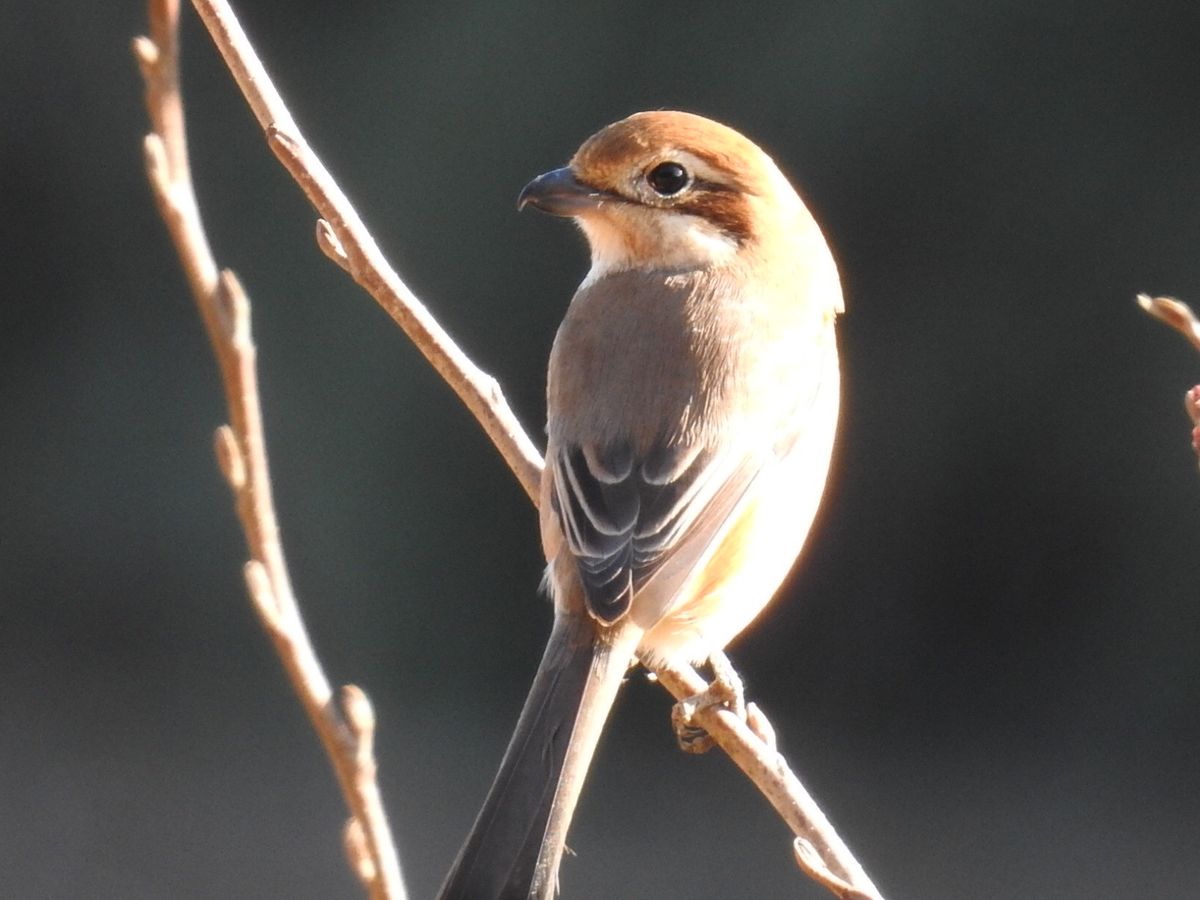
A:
(646, 238)
(610, 253)
(685, 240)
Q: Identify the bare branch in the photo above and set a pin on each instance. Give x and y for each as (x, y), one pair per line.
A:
(1180, 317)
(241, 455)
(810, 861)
(1174, 313)
(751, 746)
(344, 239)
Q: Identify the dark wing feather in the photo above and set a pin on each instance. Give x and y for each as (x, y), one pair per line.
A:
(623, 515)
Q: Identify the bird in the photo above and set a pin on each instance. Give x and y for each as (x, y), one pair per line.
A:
(692, 399)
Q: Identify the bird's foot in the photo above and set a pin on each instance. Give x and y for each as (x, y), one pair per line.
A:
(725, 690)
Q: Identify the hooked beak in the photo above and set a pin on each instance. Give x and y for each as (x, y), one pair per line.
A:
(560, 193)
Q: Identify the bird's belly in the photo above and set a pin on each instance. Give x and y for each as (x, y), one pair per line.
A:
(756, 552)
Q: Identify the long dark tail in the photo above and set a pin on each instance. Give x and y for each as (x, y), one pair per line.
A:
(514, 848)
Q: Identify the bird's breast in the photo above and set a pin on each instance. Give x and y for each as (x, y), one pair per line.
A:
(652, 357)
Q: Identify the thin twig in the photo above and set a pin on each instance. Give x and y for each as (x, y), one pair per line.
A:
(1179, 316)
(344, 239)
(347, 732)
(750, 745)
(1174, 313)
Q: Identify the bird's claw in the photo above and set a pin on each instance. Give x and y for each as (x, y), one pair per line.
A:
(725, 690)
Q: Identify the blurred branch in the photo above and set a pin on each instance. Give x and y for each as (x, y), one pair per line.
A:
(1174, 313)
(1180, 317)
(346, 732)
(342, 236)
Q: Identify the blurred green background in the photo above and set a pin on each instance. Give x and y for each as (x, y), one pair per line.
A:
(987, 666)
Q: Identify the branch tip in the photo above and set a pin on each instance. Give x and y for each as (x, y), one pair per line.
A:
(258, 584)
(810, 861)
(761, 726)
(285, 145)
(1174, 313)
(330, 244)
(145, 51)
(276, 132)
(155, 153)
(360, 714)
(1191, 403)
(234, 307)
(358, 854)
(807, 857)
(229, 457)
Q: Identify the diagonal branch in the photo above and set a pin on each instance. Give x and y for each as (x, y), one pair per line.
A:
(343, 237)
(345, 729)
(750, 744)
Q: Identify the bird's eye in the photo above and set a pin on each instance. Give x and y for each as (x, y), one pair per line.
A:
(668, 179)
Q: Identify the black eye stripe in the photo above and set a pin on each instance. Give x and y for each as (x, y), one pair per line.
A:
(714, 187)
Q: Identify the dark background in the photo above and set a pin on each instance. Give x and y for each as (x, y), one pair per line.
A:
(987, 667)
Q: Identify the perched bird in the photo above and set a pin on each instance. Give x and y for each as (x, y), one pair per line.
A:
(692, 403)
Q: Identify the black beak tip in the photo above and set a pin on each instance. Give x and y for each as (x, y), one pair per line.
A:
(558, 193)
(523, 197)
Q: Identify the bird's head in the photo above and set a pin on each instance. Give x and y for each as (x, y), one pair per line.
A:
(675, 191)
